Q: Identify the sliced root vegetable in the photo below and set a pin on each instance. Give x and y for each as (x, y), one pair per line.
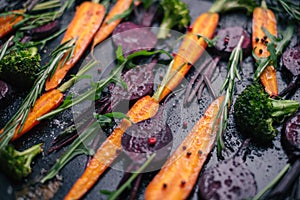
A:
(143, 109)
(7, 22)
(108, 26)
(146, 137)
(228, 38)
(228, 179)
(178, 175)
(83, 27)
(132, 38)
(191, 49)
(263, 17)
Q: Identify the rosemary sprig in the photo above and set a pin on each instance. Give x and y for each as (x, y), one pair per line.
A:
(115, 194)
(275, 47)
(97, 87)
(272, 183)
(31, 21)
(20, 116)
(80, 144)
(228, 85)
(5, 47)
(291, 8)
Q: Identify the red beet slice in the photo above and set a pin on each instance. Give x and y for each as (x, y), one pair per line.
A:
(228, 179)
(292, 134)
(291, 60)
(133, 37)
(44, 30)
(7, 94)
(139, 82)
(146, 137)
(228, 38)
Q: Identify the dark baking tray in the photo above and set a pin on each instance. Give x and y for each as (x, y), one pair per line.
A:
(264, 161)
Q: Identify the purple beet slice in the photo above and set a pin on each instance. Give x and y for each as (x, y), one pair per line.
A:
(7, 94)
(139, 82)
(291, 137)
(132, 37)
(291, 60)
(228, 38)
(228, 179)
(146, 137)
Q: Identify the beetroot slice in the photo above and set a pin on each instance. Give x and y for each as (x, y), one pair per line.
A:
(292, 134)
(291, 60)
(228, 179)
(146, 137)
(133, 37)
(7, 94)
(228, 38)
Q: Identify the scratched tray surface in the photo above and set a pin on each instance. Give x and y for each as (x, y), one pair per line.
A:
(264, 162)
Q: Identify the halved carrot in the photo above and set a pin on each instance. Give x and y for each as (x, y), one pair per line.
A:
(191, 49)
(179, 174)
(47, 102)
(85, 23)
(264, 17)
(7, 22)
(143, 109)
(107, 28)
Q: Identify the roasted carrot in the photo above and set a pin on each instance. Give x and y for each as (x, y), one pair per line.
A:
(264, 17)
(85, 23)
(191, 49)
(145, 108)
(107, 28)
(179, 174)
(7, 22)
(45, 103)
(109, 150)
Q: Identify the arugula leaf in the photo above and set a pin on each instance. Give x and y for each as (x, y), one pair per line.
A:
(275, 47)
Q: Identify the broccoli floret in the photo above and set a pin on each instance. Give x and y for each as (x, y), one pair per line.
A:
(256, 113)
(176, 14)
(20, 67)
(16, 164)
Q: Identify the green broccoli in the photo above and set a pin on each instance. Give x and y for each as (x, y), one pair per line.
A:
(176, 14)
(20, 67)
(16, 164)
(256, 113)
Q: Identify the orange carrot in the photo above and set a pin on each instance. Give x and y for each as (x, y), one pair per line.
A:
(264, 17)
(191, 49)
(87, 20)
(143, 109)
(107, 28)
(43, 105)
(7, 22)
(179, 174)
(147, 106)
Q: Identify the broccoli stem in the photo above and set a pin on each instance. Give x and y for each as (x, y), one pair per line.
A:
(281, 108)
(29, 153)
(164, 28)
(220, 6)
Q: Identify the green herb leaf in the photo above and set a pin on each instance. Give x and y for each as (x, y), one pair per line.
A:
(279, 44)
(228, 85)
(78, 147)
(115, 194)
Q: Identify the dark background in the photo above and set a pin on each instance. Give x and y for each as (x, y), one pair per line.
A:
(264, 161)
